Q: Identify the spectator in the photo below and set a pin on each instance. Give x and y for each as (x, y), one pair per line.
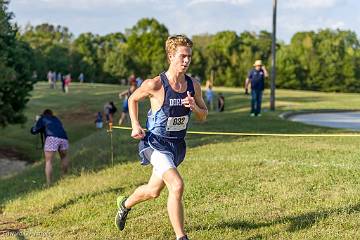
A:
(125, 112)
(53, 79)
(59, 77)
(63, 82)
(49, 77)
(221, 103)
(109, 109)
(67, 82)
(56, 140)
(138, 81)
(99, 120)
(81, 78)
(132, 79)
(209, 97)
(256, 79)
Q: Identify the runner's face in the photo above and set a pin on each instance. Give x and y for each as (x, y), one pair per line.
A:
(181, 58)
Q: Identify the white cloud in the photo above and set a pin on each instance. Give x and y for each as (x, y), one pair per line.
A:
(104, 16)
(291, 24)
(234, 2)
(261, 23)
(309, 4)
(86, 4)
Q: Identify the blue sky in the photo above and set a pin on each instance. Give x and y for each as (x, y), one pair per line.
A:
(191, 16)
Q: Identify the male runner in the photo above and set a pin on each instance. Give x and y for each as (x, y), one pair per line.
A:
(173, 97)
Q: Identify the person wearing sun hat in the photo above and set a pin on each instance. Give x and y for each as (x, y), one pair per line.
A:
(256, 79)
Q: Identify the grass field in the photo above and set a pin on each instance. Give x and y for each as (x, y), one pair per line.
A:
(235, 187)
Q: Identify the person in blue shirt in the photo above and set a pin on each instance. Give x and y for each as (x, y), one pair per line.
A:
(174, 96)
(99, 120)
(125, 111)
(56, 140)
(256, 79)
(209, 93)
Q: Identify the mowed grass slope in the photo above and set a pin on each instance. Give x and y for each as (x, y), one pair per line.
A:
(236, 187)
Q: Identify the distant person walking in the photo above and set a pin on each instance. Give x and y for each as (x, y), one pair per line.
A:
(67, 82)
(209, 93)
(99, 120)
(63, 82)
(50, 79)
(56, 140)
(256, 79)
(125, 111)
(53, 79)
(59, 78)
(221, 103)
(81, 78)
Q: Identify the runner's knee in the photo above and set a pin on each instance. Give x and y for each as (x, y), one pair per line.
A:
(177, 187)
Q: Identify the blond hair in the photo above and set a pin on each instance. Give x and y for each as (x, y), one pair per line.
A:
(175, 41)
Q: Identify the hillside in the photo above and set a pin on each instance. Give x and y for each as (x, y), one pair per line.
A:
(235, 187)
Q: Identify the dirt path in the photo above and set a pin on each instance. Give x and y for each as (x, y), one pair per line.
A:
(11, 166)
(10, 162)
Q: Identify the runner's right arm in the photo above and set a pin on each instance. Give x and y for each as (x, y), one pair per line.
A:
(147, 89)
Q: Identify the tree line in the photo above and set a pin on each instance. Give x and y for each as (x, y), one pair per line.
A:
(326, 60)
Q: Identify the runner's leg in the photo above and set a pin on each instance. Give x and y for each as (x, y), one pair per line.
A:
(145, 192)
(175, 185)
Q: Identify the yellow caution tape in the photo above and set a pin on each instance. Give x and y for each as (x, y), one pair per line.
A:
(261, 134)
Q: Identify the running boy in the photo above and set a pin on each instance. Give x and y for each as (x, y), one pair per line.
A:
(173, 97)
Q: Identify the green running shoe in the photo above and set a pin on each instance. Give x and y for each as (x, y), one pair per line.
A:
(120, 218)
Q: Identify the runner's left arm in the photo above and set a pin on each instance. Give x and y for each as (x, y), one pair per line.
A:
(196, 103)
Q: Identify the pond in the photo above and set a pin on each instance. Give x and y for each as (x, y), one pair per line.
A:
(346, 120)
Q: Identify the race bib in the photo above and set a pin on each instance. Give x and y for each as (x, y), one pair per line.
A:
(175, 124)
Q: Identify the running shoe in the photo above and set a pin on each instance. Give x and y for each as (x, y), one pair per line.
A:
(120, 218)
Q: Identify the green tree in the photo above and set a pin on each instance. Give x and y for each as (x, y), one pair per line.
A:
(15, 71)
(146, 40)
(113, 57)
(325, 61)
(85, 57)
(52, 47)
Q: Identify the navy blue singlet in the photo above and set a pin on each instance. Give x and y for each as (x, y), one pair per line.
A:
(167, 126)
(171, 120)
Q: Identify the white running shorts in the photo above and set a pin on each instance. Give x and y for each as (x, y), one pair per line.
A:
(161, 163)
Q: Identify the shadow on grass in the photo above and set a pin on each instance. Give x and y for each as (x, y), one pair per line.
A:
(77, 199)
(296, 223)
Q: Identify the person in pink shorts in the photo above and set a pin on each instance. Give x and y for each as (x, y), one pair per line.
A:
(56, 140)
